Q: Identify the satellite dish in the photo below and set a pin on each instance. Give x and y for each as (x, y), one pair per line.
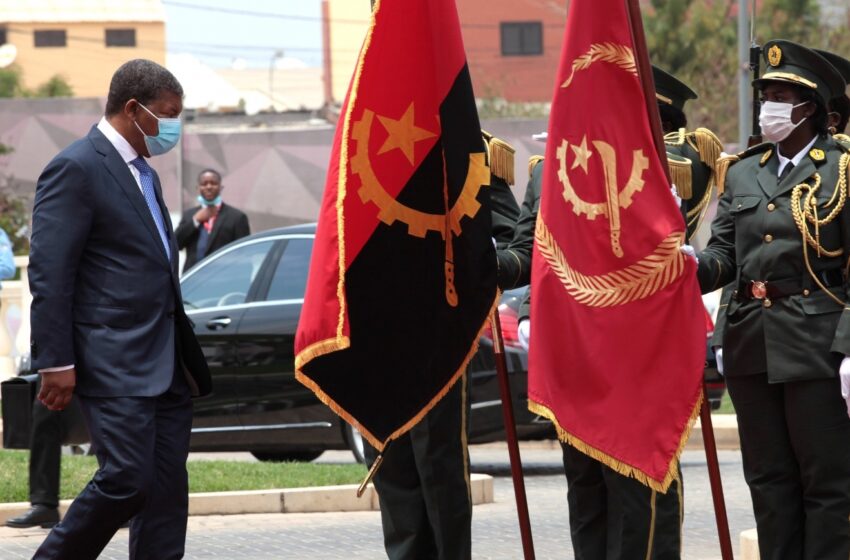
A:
(8, 52)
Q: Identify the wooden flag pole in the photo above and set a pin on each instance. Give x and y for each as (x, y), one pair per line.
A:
(510, 432)
(714, 478)
(645, 72)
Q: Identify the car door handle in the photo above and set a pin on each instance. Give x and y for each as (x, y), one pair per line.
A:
(218, 323)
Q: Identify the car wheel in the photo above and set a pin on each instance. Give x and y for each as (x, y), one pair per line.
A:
(302, 456)
(355, 443)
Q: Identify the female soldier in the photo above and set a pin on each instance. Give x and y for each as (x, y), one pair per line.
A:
(782, 234)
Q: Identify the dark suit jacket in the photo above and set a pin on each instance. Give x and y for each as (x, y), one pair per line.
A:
(105, 296)
(230, 225)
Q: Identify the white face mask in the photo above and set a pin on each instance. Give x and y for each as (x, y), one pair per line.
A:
(775, 120)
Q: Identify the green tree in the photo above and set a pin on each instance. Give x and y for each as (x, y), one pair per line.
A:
(697, 41)
(15, 219)
(10, 82)
(56, 86)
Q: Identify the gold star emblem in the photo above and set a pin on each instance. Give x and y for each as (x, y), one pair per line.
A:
(582, 155)
(403, 134)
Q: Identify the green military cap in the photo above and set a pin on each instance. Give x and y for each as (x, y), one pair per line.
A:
(670, 90)
(840, 63)
(795, 64)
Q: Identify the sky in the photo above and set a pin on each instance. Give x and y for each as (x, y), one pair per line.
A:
(220, 31)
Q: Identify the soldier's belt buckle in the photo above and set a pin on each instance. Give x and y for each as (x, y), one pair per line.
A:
(758, 289)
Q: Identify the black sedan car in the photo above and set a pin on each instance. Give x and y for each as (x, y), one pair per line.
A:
(245, 301)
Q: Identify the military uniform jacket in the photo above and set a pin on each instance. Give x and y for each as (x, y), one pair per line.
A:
(805, 334)
(701, 148)
(515, 261)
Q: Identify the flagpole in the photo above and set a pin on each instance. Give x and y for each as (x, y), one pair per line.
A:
(645, 72)
(714, 477)
(510, 432)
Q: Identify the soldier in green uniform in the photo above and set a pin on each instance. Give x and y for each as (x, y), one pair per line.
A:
(782, 235)
(423, 483)
(839, 114)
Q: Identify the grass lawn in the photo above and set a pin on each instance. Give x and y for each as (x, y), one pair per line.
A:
(204, 476)
(725, 405)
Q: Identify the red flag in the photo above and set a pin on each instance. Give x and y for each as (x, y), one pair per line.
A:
(619, 332)
(403, 273)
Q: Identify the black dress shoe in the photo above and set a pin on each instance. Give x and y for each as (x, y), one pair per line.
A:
(41, 515)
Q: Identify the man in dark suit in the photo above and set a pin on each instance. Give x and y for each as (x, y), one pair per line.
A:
(212, 225)
(108, 321)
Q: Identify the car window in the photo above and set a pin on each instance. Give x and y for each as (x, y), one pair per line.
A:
(290, 276)
(225, 280)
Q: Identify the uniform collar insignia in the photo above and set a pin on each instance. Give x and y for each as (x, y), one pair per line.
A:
(817, 154)
(766, 157)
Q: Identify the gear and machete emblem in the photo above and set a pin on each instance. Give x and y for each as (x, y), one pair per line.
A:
(390, 210)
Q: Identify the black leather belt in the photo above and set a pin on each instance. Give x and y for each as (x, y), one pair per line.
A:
(775, 289)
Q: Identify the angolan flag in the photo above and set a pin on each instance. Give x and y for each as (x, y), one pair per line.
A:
(403, 272)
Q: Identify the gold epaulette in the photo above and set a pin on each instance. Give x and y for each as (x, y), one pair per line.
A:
(708, 145)
(721, 168)
(500, 155)
(843, 140)
(726, 161)
(681, 175)
(676, 138)
(532, 162)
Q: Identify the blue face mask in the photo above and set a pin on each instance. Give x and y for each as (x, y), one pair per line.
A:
(169, 134)
(204, 202)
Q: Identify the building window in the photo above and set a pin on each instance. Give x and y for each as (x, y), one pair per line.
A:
(120, 37)
(522, 38)
(50, 38)
(3, 38)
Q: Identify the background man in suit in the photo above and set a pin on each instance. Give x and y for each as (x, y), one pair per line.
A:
(212, 225)
(108, 321)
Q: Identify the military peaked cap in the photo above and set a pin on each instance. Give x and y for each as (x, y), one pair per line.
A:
(795, 64)
(670, 90)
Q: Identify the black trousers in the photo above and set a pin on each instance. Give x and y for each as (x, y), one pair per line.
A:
(45, 455)
(423, 486)
(795, 442)
(141, 445)
(615, 517)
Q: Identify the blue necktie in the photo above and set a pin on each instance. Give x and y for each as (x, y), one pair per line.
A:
(146, 178)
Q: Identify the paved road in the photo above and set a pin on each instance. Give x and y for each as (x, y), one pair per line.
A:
(357, 536)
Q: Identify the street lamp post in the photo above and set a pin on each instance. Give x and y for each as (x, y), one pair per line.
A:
(277, 54)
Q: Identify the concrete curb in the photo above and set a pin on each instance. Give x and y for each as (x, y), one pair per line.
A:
(291, 500)
(725, 428)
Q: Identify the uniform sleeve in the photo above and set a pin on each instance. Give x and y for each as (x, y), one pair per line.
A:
(62, 218)
(504, 211)
(515, 261)
(720, 322)
(717, 262)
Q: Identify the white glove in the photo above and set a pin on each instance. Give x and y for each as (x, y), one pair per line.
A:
(718, 354)
(844, 375)
(523, 332)
(689, 251)
(675, 192)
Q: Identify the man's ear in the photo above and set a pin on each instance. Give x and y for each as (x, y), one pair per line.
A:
(131, 107)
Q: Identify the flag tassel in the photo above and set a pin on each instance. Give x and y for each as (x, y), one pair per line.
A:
(373, 470)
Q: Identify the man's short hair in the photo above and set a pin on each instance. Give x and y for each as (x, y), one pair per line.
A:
(142, 80)
(209, 170)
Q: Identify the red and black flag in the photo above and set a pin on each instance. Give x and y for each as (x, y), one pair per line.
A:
(619, 328)
(402, 276)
